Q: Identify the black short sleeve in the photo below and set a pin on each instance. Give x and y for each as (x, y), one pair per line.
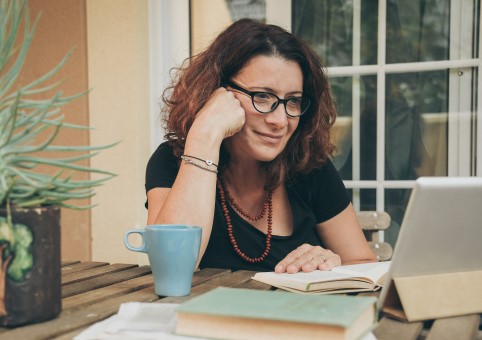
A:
(324, 191)
(162, 168)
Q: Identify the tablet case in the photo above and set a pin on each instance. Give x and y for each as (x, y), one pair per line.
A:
(434, 296)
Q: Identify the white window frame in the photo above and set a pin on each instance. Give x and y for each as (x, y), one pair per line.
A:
(169, 46)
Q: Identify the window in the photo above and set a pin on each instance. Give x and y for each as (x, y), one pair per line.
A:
(404, 76)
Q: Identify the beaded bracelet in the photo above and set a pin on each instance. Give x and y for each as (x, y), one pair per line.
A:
(199, 165)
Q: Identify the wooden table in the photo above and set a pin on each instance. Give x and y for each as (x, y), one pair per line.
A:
(93, 291)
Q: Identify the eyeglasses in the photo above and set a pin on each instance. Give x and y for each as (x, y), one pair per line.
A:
(266, 102)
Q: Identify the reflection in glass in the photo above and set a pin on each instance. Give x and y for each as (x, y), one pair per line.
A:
(417, 30)
(342, 131)
(328, 27)
(364, 199)
(254, 9)
(416, 125)
(396, 201)
(367, 201)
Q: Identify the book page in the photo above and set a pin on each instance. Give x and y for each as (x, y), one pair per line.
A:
(300, 280)
(373, 271)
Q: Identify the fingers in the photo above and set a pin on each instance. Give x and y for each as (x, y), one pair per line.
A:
(292, 257)
(330, 261)
(237, 113)
(307, 258)
(222, 112)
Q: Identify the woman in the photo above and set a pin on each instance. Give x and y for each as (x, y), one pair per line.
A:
(246, 157)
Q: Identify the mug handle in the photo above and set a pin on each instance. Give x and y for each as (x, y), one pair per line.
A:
(142, 248)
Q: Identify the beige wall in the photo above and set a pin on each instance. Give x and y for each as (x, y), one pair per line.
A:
(117, 33)
(62, 28)
(208, 18)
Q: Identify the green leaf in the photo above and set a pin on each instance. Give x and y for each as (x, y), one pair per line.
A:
(23, 260)
(29, 125)
(6, 232)
(59, 163)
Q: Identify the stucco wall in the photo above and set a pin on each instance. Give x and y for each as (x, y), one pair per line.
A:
(117, 33)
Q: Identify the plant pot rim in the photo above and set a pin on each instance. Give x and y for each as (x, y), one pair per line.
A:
(21, 209)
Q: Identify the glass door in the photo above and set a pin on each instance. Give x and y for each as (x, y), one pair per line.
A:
(405, 78)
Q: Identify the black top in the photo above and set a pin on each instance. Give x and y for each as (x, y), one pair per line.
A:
(314, 198)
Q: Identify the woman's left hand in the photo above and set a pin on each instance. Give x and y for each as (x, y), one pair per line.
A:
(308, 258)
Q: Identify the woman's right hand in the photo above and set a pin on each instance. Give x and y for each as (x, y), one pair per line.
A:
(222, 114)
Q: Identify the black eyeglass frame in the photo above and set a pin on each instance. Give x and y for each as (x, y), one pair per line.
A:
(283, 101)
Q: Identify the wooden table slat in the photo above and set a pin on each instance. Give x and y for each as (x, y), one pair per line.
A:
(77, 267)
(64, 263)
(69, 278)
(389, 329)
(129, 286)
(235, 278)
(70, 335)
(201, 276)
(102, 281)
(108, 292)
(461, 328)
(74, 319)
(220, 281)
(252, 284)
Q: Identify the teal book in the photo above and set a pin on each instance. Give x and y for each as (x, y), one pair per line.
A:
(235, 313)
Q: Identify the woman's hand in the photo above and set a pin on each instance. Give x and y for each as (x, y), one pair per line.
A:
(307, 258)
(221, 115)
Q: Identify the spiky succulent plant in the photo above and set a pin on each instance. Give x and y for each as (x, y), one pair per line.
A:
(29, 125)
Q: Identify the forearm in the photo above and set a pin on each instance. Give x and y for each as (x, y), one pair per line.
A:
(342, 234)
(192, 197)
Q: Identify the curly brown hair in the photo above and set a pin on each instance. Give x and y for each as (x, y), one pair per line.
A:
(308, 147)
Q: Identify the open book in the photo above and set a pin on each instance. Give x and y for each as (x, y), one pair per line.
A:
(343, 279)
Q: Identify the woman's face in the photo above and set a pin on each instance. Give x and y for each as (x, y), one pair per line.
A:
(265, 135)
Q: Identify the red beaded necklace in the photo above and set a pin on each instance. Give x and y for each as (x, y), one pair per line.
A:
(267, 206)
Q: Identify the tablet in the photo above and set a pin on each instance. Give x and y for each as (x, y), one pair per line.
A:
(441, 231)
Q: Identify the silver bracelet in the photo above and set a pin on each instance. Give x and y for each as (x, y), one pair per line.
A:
(207, 161)
(190, 161)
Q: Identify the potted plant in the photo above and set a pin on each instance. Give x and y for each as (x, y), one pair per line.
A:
(30, 195)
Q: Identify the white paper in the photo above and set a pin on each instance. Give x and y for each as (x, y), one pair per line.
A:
(137, 320)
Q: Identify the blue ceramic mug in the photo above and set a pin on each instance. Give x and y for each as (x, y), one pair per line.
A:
(172, 251)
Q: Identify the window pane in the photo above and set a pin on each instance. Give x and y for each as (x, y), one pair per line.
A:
(417, 30)
(364, 199)
(328, 27)
(416, 125)
(396, 201)
(342, 131)
(254, 9)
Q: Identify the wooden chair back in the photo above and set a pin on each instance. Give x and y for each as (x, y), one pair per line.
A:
(371, 223)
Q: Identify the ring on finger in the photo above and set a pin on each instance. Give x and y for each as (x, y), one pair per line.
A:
(319, 255)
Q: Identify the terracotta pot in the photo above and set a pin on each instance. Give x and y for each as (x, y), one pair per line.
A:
(31, 286)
